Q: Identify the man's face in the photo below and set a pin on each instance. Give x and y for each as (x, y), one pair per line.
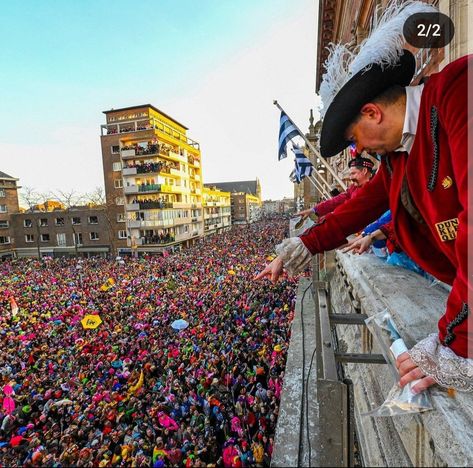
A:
(375, 131)
(358, 177)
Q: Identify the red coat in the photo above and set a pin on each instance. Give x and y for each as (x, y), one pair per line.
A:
(327, 206)
(433, 229)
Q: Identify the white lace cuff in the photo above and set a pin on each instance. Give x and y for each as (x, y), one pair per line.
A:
(294, 255)
(442, 364)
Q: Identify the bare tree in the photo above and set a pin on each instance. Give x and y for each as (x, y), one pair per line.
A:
(98, 198)
(35, 202)
(70, 200)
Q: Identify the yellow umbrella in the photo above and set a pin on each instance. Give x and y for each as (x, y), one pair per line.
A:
(91, 321)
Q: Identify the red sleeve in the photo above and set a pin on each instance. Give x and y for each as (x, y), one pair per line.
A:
(367, 204)
(453, 114)
(391, 242)
(327, 206)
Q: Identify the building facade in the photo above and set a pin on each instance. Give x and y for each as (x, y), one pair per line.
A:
(83, 231)
(216, 206)
(246, 208)
(8, 206)
(153, 180)
(273, 207)
(246, 204)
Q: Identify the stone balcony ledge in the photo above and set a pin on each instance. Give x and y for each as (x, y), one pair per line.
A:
(366, 284)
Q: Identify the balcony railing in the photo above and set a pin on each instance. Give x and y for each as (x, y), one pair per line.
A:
(128, 171)
(154, 205)
(131, 189)
(193, 161)
(172, 188)
(180, 205)
(158, 240)
(128, 152)
(131, 126)
(149, 223)
(132, 206)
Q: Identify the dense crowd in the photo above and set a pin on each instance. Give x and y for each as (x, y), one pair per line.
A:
(134, 391)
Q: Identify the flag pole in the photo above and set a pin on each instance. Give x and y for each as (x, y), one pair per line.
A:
(309, 144)
(322, 179)
(324, 190)
(319, 187)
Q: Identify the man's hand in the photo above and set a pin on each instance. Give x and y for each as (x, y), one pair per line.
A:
(409, 371)
(272, 271)
(358, 245)
(304, 213)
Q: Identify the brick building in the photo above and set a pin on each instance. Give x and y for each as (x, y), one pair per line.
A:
(80, 231)
(153, 180)
(8, 206)
(246, 204)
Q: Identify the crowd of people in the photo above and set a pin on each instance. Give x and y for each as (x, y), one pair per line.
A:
(134, 391)
(155, 202)
(147, 167)
(161, 238)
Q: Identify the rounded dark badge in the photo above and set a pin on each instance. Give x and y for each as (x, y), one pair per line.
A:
(428, 30)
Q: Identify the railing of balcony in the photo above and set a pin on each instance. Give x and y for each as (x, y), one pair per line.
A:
(149, 188)
(140, 126)
(154, 205)
(152, 167)
(167, 239)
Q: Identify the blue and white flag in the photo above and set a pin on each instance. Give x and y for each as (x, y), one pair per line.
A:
(303, 165)
(287, 131)
(293, 177)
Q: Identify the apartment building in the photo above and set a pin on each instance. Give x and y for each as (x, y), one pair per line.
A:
(8, 206)
(217, 210)
(81, 230)
(284, 206)
(246, 205)
(153, 180)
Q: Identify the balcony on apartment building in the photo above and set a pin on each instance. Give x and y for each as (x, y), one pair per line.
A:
(215, 203)
(151, 151)
(159, 167)
(140, 125)
(157, 240)
(150, 223)
(173, 188)
(181, 205)
(151, 205)
(147, 188)
(212, 215)
(193, 161)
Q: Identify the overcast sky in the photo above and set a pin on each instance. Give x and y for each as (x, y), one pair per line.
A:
(216, 66)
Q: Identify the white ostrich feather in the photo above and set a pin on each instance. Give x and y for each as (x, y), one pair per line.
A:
(383, 47)
(336, 73)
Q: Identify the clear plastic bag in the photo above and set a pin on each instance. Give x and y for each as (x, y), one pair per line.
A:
(399, 400)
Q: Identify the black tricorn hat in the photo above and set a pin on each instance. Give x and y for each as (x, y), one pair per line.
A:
(360, 89)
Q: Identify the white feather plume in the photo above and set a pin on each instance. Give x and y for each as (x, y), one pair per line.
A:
(383, 47)
(336, 72)
(385, 43)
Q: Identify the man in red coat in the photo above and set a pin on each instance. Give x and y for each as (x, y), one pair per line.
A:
(360, 173)
(422, 133)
